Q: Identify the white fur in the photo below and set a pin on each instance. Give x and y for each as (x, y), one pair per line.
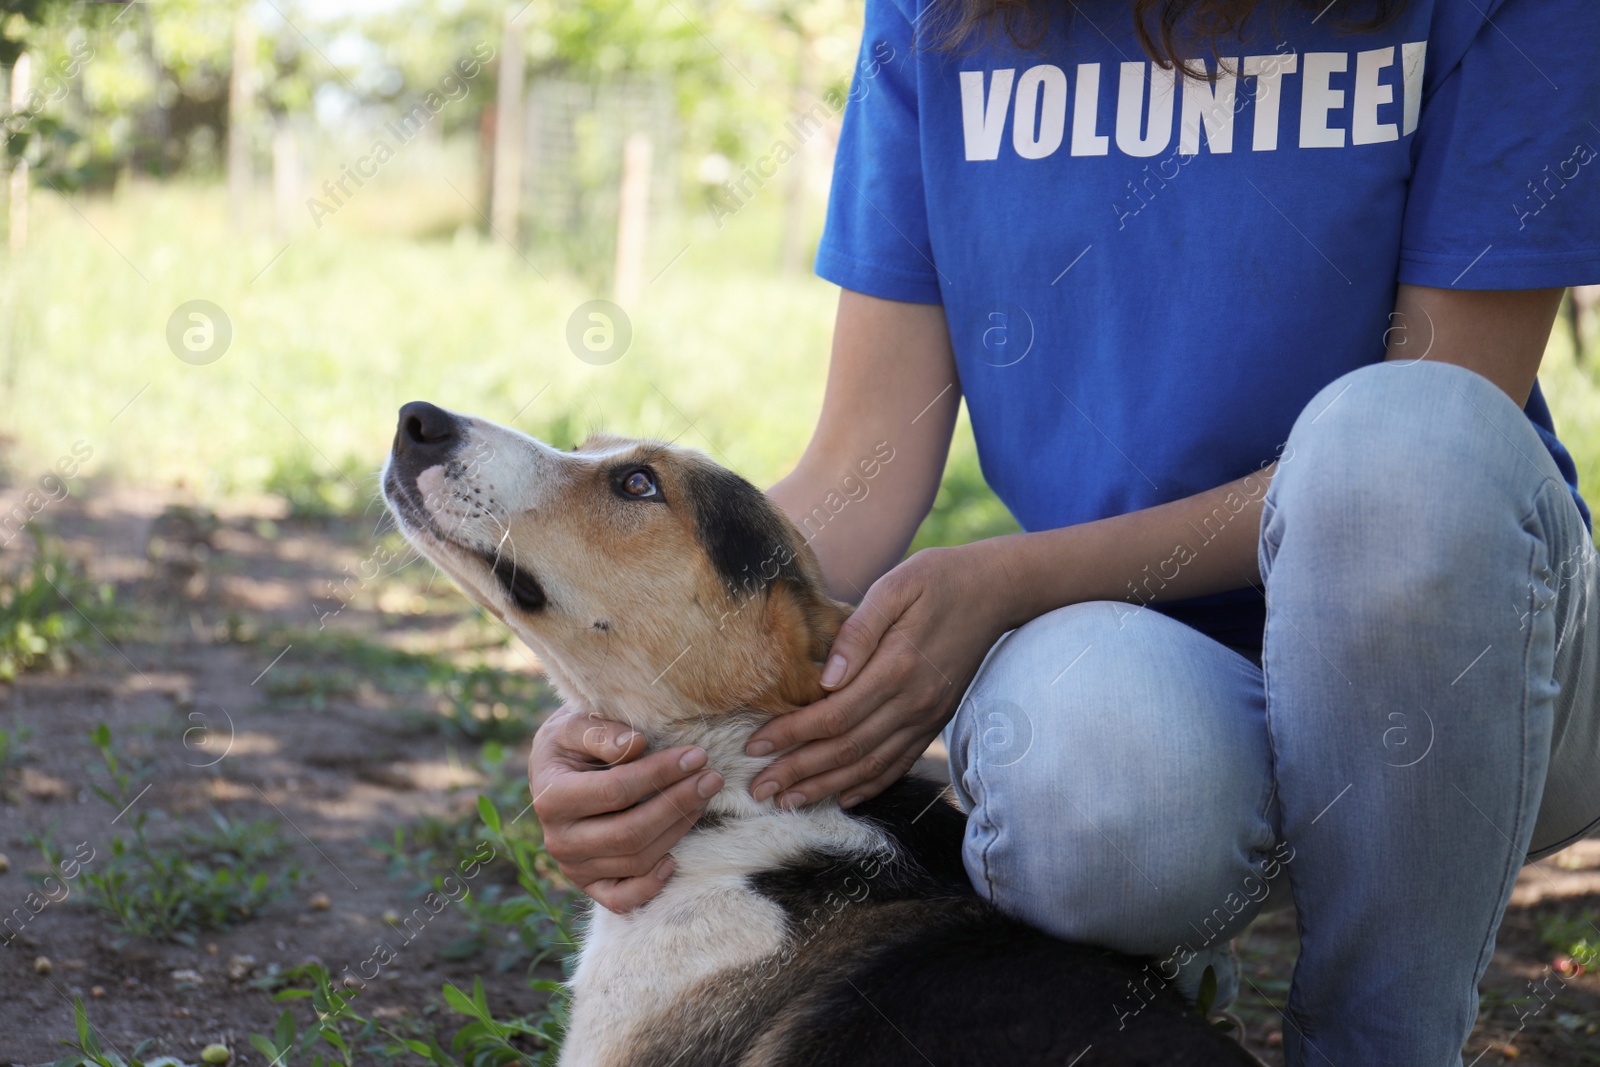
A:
(706, 920)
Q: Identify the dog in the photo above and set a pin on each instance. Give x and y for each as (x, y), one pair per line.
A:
(667, 592)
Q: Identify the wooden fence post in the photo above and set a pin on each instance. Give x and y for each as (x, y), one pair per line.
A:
(505, 189)
(241, 108)
(791, 259)
(633, 215)
(287, 209)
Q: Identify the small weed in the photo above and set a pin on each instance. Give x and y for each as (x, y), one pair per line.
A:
(48, 609)
(491, 911)
(342, 1036)
(542, 920)
(88, 1049)
(475, 703)
(486, 704)
(1576, 937)
(311, 687)
(11, 751)
(239, 843)
(314, 493)
(435, 841)
(201, 881)
(538, 917)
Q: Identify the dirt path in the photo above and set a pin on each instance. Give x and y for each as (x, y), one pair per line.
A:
(226, 688)
(207, 692)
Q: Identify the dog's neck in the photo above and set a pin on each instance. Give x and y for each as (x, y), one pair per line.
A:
(724, 738)
(721, 724)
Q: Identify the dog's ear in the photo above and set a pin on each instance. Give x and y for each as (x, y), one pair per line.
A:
(758, 553)
(802, 621)
(747, 539)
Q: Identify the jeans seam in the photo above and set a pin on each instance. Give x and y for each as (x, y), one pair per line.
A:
(979, 814)
(1515, 859)
(1290, 1014)
(987, 824)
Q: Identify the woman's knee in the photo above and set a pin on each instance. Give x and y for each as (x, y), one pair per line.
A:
(1396, 480)
(1115, 766)
(1427, 447)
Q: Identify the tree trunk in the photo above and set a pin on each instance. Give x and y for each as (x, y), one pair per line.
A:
(157, 120)
(21, 76)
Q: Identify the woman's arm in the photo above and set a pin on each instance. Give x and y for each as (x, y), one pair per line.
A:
(903, 660)
(892, 391)
(1501, 335)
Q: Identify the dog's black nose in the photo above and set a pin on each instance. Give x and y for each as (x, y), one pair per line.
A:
(425, 431)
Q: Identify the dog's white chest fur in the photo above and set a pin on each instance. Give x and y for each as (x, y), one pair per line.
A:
(706, 920)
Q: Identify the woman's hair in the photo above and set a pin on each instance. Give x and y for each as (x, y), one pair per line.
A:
(1166, 28)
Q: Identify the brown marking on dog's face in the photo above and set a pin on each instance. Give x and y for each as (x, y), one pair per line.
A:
(656, 585)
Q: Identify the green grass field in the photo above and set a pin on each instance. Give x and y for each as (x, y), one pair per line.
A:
(336, 327)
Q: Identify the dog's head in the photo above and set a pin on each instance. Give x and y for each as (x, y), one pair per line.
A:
(655, 585)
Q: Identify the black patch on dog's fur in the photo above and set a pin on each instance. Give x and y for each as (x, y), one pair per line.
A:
(926, 861)
(974, 988)
(745, 538)
(896, 962)
(519, 583)
(917, 815)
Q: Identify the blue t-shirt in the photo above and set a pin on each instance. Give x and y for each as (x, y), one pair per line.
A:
(1147, 277)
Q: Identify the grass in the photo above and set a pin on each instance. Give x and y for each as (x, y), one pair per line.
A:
(727, 355)
(494, 910)
(314, 492)
(335, 1032)
(535, 915)
(202, 879)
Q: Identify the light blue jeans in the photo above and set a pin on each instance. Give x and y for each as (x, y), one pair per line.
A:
(1425, 722)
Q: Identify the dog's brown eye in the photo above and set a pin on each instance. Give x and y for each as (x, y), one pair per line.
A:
(639, 484)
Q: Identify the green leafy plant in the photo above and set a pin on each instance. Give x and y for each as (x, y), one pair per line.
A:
(520, 921)
(341, 1035)
(1576, 937)
(88, 1048)
(201, 880)
(542, 916)
(433, 842)
(488, 704)
(48, 610)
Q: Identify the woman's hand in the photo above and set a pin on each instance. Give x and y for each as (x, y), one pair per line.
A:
(609, 816)
(896, 672)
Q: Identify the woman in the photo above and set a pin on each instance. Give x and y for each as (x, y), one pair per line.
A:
(1251, 353)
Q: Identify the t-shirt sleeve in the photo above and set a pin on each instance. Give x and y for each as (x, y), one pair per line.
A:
(875, 240)
(1505, 192)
